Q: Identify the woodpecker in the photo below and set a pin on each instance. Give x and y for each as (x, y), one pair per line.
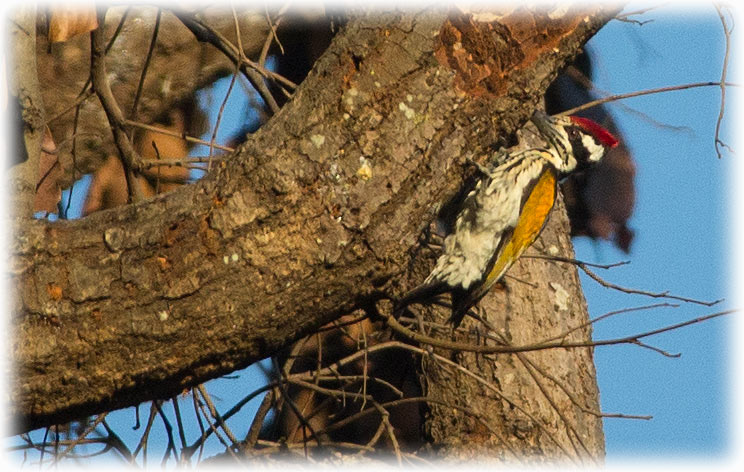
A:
(507, 209)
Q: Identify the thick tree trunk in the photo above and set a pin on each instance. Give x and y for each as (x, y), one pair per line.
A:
(314, 216)
(538, 405)
(26, 114)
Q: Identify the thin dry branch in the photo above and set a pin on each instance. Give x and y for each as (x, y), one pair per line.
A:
(258, 420)
(639, 93)
(606, 284)
(99, 79)
(396, 344)
(561, 414)
(215, 414)
(176, 134)
(171, 446)
(584, 266)
(116, 442)
(213, 426)
(561, 385)
(146, 66)
(724, 71)
(390, 432)
(271, 37)
(253, 72)
(624, 17)
(542, 345)
(621, 311)
(197, 415)
(304, 423)
(179, 422)
(81, 437)
(481, 418)
(142, 445)
(271, 447)
(213, 139)
(87, 91)
(81, 98)
(576, 261)
(656, 349)
(489, 385)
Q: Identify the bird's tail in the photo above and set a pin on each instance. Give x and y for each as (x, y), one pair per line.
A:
(419, 294)
(462, 302)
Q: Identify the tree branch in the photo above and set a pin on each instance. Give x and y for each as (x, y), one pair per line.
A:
(130, 160)
(27, 110)
(148, 300)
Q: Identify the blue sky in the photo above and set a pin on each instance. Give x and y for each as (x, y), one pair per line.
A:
(683, 227)
(683, 245)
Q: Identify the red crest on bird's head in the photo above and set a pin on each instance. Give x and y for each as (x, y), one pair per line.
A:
(596, 130)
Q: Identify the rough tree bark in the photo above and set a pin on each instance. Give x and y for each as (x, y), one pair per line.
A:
(539, 405)
(27, 113)
(144, 301)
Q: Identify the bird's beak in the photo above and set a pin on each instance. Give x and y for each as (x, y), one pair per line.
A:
(543, 121)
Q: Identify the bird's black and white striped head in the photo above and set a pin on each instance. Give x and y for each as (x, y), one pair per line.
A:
(574, 142)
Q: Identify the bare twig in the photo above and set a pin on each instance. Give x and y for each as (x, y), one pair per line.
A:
(215, 414)
(73, 154)
(489, 385)
(176, 134)
(375, 437)
(656, 349)
(542, 345)
(221, 111)
(621, 311)
(79, 100)
(258, 419)
(212, 425)
(390, 432)
(115, 441)
(179, 422)
(586, 82)
(584, 266)
(146, 66)
(576, 261)
(252, 71)
(304, 423)
(89, 429)
(142, 445)
(569, 425)
(271, 37)
(188, 163)
(171, 447)
(47, 173)
(481, 418)
(213, 139)
(197, 413)
(639, 93)
(131, 161)
(624, 17)
(270, 447)
(606, 284)
(641, 11)
(724, 71)
(575, 400)
(118, 29)
(336, 324)
(87, 91)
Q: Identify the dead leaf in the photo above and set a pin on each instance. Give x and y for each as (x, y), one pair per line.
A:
(67, 20)
(108, 188)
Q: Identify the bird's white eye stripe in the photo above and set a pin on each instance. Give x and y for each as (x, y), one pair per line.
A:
(596, 151)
